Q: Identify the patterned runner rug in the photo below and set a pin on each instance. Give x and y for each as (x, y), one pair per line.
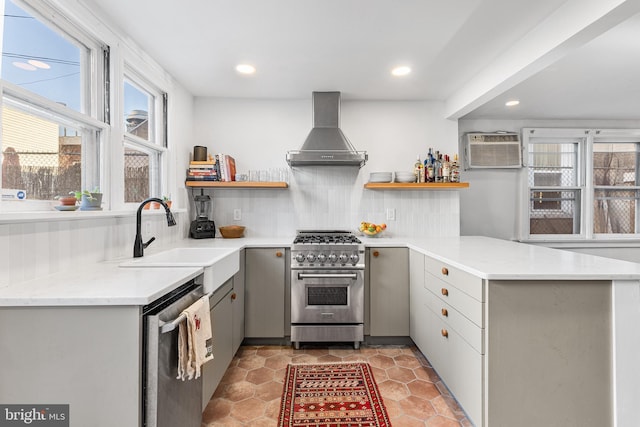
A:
(335, 395)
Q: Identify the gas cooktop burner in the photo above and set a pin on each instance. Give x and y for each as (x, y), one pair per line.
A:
(326, 238)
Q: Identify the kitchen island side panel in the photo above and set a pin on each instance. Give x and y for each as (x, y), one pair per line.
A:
(86, 357)
(549, 354)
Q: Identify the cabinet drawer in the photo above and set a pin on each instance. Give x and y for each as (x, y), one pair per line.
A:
(453, 319)
(458, 364)
(467, 283)
(461, 301)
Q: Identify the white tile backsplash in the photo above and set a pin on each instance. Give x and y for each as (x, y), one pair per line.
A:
(35, 249)
(317, 198)
(335, 198)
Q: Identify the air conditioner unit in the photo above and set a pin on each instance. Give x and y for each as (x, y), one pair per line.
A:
(493, 150)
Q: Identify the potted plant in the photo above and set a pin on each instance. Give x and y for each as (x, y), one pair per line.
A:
(89, 200)
(67, 200)
(165, 199)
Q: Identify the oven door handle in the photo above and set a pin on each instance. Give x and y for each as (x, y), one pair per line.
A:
(327, 276)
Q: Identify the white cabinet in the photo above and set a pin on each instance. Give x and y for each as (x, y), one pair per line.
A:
(389, 291)
(452, 332)
(265, 283)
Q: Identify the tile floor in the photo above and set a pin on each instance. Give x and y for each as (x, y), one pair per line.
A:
(249, 393)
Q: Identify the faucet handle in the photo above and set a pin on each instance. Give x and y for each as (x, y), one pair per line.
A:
(144, 245)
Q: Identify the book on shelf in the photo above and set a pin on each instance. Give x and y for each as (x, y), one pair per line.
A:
(202, 173)
(202, 162)
(202, 178)
(227, 166)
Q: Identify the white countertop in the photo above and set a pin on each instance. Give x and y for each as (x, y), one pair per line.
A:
(108, 284)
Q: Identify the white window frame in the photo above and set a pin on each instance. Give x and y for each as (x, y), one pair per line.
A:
(156, 145)
(95, 161)
(585, 138)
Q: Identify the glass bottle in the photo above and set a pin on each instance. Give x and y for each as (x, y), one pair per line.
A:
(446, 169)
(416, 169)
(455, 171)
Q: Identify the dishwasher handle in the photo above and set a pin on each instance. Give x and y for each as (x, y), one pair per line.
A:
(327, 276)
(171, 325)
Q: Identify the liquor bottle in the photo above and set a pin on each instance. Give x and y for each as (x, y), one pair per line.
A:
(430, 173)
(455, 171)
(446, 169)
(437, 168)
(416, 169)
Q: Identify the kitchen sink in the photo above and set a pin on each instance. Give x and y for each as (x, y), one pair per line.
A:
(219, 264)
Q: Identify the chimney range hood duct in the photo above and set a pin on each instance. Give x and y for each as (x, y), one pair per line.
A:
(326, 145)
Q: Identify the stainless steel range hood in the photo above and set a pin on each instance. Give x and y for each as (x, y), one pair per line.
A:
(326, 145)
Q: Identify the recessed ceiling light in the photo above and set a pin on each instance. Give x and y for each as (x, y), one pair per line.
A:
(245, 69)
(39, 64)
(512, 103)
(24, 66)
(401, 71)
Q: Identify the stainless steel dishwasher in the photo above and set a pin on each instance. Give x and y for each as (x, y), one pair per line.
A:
(167, 401)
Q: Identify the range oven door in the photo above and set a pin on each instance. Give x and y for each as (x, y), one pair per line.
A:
(327, 296)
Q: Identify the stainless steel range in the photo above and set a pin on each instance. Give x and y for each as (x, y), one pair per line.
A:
(327, 287)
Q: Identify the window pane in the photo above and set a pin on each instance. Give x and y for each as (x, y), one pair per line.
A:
(554, 212)
(39, 156)
(615, 211)
(137, 104)
(39, 59)
(615, 164)
(559, 160)
(136, 175)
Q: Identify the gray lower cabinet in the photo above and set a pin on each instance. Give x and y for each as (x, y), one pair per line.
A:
(516, 353)
(389, 291)
(265, 283)
(237, 303)
(222, 330)
(86, 357)
(417, 303)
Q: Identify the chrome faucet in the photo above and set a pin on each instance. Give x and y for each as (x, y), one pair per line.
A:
(138, 246)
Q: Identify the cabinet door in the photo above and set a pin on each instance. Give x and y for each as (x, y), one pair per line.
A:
(264, 292)
(212, 371)
(237, 304)
(389, 291)
(417, 307)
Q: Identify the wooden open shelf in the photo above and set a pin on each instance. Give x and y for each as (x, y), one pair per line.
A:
(416, 185)
(236, 184)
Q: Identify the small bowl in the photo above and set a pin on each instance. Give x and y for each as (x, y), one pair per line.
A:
(232, 231)
(372, 233)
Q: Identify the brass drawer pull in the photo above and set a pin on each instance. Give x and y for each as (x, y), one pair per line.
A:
(234, 296)
(445, 292)
(279, 254)
(445, 333)
(445, 271)
(376, 253)
(445, 313)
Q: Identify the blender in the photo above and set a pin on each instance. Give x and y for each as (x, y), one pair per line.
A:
(202, 227)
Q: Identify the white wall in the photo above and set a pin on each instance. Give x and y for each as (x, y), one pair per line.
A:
(258, 133)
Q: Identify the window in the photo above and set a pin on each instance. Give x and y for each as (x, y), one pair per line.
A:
(581, 184)
(145, 138)
(52, 105)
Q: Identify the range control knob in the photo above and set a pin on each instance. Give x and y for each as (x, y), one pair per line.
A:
(300, 257)
(333, 258)
(344, 258)
(311, 257)
(354, 258)
(322, 258)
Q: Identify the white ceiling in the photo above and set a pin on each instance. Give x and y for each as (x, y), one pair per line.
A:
(300, 46)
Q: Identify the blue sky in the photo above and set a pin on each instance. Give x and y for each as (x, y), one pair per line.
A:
(27, 38)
